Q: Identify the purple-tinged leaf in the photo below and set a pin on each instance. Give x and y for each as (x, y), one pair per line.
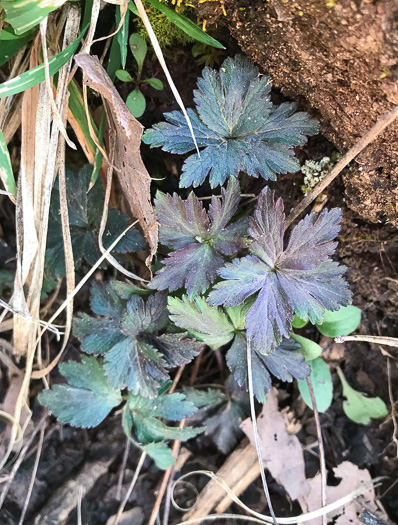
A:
(285, 363)
(181, 222)
(194, 267)
(200, 239)
(245, 277)
(301, 279)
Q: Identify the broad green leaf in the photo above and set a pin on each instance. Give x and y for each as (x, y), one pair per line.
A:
(321, 380)
(156, 83)
(124, 75)
(139, 49)
(22, 15)
(87, 398)
(123, 35)
(10, 43)
(161, 454)
(236, 127)
(309, 349)
(136, 103)
(142, 418)
(237, 314)
(186, 25)
(6, 174)
(206, 323)
(34, 76)
(297, 322)
(342, 322)
(359, 408)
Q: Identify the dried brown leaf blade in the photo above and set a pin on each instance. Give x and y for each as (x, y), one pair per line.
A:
(352, 477)
(282, 452)
(125, 139)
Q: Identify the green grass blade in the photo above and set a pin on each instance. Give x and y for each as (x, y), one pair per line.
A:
(123, 35)
(34, 76)
(10, 43)
(182, 22)
(6, 174)
(23, 15)
(77, 109)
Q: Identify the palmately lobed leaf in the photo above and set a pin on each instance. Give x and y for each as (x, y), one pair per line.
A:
(300, 279)
(200, 239)
(136, 356)
(85, 212)
(87, 398)
(146, 414)
(237, 127)
(204, 322)
(285, 363)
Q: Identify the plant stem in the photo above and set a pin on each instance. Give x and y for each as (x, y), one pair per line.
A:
(322, 462)
(255, 430)
(376, 339)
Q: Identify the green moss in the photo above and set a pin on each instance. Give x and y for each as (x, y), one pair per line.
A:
(166, 32)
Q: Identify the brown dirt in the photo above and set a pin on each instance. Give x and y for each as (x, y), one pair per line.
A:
(339, 60)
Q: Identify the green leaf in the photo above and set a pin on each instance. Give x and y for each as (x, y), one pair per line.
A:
(144, 420)
(343, 322)
(204, 322)
(156, 83)
(85, 211)
(139, 49)
(161, 454)
(359, 408)
(186, 25)
(221, 413)
(309, 349)
(123, 35)
(76, 107)
(34, 76)
(6, 280)
(124, 75)
(136, 103)
(298, 323)
(87, 398)
(136, 357)
(237, 314)
(321, 380)
(6, 174)
(23, 15)
(10, 43)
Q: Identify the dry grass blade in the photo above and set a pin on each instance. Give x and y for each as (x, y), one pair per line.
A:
(125, 142)
(322, 460)
(159, 54)
(104, 219)
(39, 374)
(255, 431)
(376, 339)
(38, 166)
(308, 516)
(130, 489)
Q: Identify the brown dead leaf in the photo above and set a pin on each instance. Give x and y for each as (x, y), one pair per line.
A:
(125, 139)
(282, 452)
(352, 478)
